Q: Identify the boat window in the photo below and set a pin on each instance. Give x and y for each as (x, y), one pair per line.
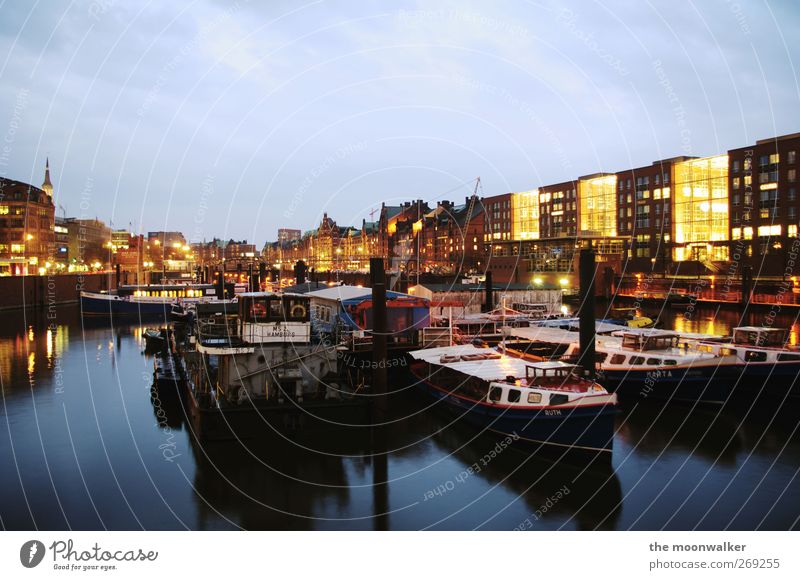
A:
(617, 359)
(654, 361)
(559, 399)
(601, 357)
(670, 362)
(728, 352)
(495, 393)
(637, 360)
(534, 398)
(704, 348)
(275, 310)
(755, 356)
(257, 311)
(296, 309)
(513, 396)
(784, 356)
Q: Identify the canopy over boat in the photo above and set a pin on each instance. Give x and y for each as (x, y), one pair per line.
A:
(486, 364)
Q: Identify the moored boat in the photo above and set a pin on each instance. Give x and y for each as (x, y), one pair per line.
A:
(646, 364)
(543, 403)
(144, 301)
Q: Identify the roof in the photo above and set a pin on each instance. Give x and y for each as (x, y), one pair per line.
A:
(497, 368)
(480, 287)
(341, 293)
(305, 287)
(354, 293)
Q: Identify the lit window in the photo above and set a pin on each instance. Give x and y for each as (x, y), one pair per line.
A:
(18, 248)
(736, 233)
(3, 210)
(765, 231)
(748, 233)
(791, 230)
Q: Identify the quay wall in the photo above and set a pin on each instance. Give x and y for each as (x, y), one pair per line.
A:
(41, 291)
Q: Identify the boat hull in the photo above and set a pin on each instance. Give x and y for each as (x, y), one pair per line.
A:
(579, 428)
(712, 384)
(109, 305)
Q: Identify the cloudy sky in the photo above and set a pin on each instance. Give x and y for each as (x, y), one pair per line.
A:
(233, 119)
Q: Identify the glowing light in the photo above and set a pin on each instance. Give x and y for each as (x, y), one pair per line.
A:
(564, 309)
(563, 281)
(537, 281)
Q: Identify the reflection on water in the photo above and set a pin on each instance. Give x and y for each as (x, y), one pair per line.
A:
(86, 444)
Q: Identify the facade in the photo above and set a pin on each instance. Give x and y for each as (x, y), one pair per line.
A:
(27, 223)
(762, 181)
(289, 235)
(89, 241)
(644, 214)
(61, 237)
(677, 216)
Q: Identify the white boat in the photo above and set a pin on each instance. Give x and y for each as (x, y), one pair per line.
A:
(538, 403)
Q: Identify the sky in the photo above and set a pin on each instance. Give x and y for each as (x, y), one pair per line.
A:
(232, 119)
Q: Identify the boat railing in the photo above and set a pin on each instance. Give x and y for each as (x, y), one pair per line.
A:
(361, 340)
(218, 327)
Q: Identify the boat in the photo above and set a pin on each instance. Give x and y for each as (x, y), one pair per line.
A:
(766, 365)
(254, 365)
(155, 339)
(541, 403)
(144, 300)
(654, 364)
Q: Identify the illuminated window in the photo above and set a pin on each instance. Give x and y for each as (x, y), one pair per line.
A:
(701, 205)
(598, 205)
(765, 231)
(748, 233)
(791, 230)
(736, 233)
(17, 248)
(3, 210)
(525, 205)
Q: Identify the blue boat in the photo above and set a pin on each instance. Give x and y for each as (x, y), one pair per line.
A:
(540, 404)
(155, 300)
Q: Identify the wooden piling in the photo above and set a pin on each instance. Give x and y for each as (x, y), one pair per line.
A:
(586, 313)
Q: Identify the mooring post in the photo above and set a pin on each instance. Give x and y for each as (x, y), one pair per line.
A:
(300, 272)
(380, 388)
(586, 310)
(379, 332)
(747, 281)
(488, 288)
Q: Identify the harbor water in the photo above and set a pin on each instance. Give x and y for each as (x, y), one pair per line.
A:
(84, 444)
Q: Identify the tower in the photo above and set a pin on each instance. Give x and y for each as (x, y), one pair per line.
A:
(47, 186)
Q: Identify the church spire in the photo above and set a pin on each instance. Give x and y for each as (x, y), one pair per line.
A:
(47, 186)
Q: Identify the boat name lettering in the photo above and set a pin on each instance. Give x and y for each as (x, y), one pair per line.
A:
(552, 411)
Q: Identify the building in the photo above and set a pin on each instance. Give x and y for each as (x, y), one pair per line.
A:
(288, 235)
(89, 242)
(644, 214)
(61, 237)
(27, 223)
(763, 205)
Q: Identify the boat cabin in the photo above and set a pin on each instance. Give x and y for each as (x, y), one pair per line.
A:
(650, 340)
(167, 291)
(759, 336)
(266, 317)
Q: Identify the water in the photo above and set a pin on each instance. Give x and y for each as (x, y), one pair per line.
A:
(83, 446)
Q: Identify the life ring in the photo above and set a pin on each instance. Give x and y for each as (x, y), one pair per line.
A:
(298, 311)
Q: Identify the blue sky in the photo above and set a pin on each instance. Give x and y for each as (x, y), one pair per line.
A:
(233, 119)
